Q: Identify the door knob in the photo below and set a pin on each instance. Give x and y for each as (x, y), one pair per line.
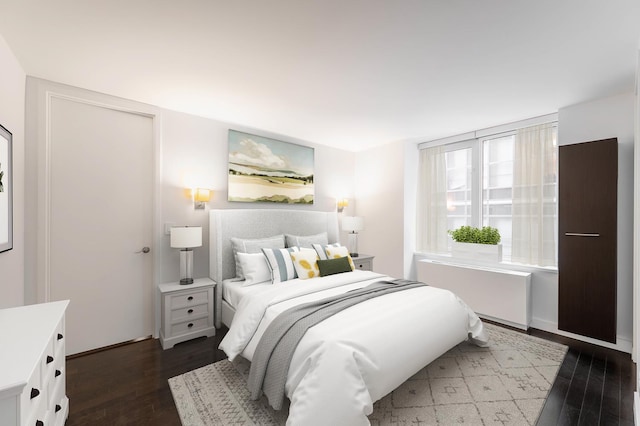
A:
(144, 250)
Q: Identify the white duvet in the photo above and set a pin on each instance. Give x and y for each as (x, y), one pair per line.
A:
(349, 361)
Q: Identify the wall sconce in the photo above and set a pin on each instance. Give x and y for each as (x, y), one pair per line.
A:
(200, 197)
(342, 203)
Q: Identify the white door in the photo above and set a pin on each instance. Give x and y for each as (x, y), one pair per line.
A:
(101, 214)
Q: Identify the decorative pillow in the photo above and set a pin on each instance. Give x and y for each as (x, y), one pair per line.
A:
(320, 249)
(306, 263)
(306, 240)
(340, 251)
(334, 266)
(280, 263)
(255, 268)
(241, 245)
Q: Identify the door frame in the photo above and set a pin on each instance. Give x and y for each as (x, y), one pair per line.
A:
(47, 91)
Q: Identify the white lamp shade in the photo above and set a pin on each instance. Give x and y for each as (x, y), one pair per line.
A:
(186, 236)
(352, 223)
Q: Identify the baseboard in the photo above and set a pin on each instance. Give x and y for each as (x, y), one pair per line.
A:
(624, 344)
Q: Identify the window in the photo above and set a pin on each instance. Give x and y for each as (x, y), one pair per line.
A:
(507, 181)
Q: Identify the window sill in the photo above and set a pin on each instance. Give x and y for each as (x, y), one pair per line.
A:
(503, 265)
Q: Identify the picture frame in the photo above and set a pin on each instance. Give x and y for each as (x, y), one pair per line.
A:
(267, 170)
(6, 190)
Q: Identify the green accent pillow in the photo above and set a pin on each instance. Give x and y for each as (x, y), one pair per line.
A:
(334, 266)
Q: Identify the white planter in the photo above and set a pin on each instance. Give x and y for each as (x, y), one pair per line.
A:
(486, 252)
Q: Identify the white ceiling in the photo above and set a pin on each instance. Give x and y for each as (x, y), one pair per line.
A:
(344, 73)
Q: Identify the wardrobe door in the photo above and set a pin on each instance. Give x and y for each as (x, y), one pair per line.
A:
(587, 243)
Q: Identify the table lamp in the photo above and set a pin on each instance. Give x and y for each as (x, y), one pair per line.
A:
(186, 238)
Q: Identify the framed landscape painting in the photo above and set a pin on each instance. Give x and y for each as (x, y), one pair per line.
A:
(6, 196)
(268, 170)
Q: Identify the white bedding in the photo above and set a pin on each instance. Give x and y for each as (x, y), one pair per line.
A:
(233, 290)
(349, 361)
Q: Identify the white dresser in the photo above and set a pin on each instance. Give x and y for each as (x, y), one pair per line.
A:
(32, 365)
(187, 311)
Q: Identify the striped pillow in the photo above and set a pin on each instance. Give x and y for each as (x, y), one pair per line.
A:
(280, 263)
(321, 250)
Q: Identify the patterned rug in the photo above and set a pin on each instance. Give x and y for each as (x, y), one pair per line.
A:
(504, 384)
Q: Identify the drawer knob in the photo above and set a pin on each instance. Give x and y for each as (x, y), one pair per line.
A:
(190, 298)
(190, 311)
(58, 408)
(190, 325)
(60, 336)
(57, 373)
(39, 423)
(34, 392)
(49, 359)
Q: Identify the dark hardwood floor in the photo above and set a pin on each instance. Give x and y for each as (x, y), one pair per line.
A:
(127, 385)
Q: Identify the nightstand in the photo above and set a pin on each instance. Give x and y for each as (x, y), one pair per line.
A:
(187, 311)
(364, 262)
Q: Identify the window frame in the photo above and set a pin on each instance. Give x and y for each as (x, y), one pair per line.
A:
(475, 142)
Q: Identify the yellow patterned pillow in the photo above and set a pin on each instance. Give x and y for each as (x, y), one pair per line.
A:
(341, 251)
(306, 263)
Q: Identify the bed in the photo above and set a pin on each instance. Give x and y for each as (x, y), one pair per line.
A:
(345, 363)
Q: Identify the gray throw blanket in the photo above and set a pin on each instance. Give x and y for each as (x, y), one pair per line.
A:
(273, 354)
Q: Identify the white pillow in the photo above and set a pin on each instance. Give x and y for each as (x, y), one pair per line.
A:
(255, 268)
(340, 251)
(243, 245)
(306, 263)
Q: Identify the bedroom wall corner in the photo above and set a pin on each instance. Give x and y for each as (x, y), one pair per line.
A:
(380, 194)
(12, 117)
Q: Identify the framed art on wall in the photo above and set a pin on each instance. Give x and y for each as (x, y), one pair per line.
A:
(268, 170)
(6, 195)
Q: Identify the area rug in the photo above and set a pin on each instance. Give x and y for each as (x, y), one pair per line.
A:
(504, 384)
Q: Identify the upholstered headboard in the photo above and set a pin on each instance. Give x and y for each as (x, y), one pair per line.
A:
(257, 223)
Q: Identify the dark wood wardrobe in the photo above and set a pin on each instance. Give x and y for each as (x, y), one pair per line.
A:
(587, 238)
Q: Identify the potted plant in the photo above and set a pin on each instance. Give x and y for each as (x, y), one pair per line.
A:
(476, 243)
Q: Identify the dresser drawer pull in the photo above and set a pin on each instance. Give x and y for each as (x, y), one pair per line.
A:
(57, 373)
(190, 311)
(39, 423)
(190, 298)
(49, 359)
(58, 408)
(34, 392)
(190, 325)
(60, 336)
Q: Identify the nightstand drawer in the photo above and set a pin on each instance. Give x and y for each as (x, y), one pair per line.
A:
(188, 326)
(189, 299)
(365, 265)
(184, 314)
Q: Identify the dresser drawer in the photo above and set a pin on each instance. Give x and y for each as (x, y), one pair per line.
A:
(187, 313)
(189, 299)
(32, 395)
(188, 326)
(59, 338)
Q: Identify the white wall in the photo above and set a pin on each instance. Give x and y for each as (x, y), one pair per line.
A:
(12, 89)
(380, 194)
(601, 119)
(196, 148)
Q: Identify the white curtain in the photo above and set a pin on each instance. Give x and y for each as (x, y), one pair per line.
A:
(534, 196)
(432, 201)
